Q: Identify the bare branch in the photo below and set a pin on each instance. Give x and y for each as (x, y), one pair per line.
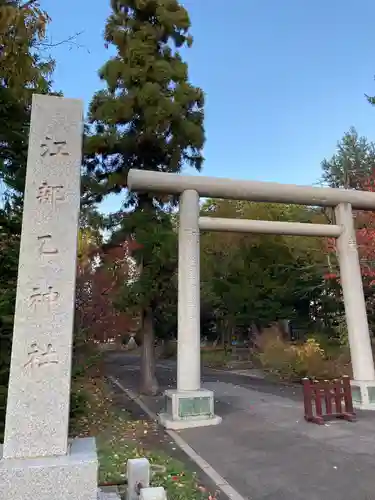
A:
(71, 40)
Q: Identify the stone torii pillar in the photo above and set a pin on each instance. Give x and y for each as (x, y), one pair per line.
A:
(189, 405)
(363, 383)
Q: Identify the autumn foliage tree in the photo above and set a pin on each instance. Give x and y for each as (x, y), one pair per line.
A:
(353, 166)
(99, 281)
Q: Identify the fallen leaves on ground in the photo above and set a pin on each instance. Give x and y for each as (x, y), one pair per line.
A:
(119, 438)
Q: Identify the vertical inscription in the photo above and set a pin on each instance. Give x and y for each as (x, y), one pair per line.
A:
(352, 243)
(50, 194)
(43, 300)
(39, 298)
(51, 147)
(45, 246)
(38, 356)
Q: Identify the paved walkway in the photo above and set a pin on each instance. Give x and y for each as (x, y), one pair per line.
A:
(266, 450)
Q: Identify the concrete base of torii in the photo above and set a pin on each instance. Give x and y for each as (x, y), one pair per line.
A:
(187, 409)
(363, 394)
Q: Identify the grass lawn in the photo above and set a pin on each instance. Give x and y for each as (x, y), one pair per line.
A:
(120, 436)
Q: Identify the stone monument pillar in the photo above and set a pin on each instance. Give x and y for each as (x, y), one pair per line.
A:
(37, 459)
(189, 405)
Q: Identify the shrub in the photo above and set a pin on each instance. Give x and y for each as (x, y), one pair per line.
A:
(274, 354)
(341, 331)
(170, 349)
(215, 358)
(86, 365)
(296, 361)
(79, 400)
(308, 359)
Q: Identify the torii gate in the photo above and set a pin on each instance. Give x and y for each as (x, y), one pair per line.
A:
(190, 405)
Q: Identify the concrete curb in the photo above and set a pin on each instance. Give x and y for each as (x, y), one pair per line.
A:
(244, 373)
(220, 482)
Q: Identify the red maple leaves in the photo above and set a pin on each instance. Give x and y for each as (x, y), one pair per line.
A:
(365, 236)
(98, 283)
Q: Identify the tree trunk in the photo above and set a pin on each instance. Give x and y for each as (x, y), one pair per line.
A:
(222, 334)
(234, 346)
(149, 385)
(253, 334)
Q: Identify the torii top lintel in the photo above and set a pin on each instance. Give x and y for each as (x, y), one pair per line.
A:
(272, 192)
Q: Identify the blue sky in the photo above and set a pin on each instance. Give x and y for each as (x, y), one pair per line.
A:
(283, 79)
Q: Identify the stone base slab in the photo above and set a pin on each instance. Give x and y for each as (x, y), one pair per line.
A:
(176, 425)
(363, 394)
(69, 477)
(109, 493)
(186, 409)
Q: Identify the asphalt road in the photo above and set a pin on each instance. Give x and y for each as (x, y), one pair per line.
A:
(127, 365)
(263, 447)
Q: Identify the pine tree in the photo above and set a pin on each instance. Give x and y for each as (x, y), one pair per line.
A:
(353, 163)
(148, 117)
